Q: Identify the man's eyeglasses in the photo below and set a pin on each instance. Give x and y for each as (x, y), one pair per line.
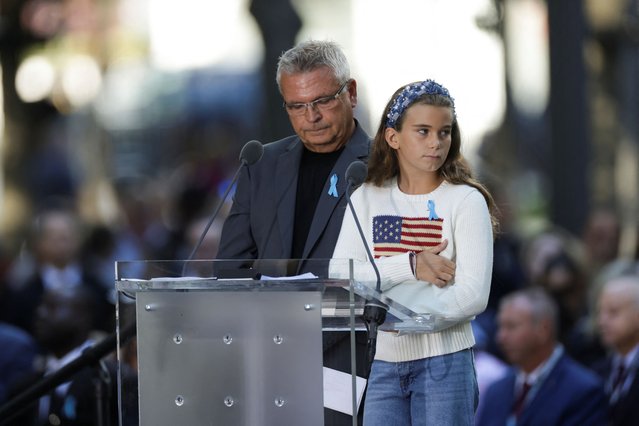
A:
(323, 104)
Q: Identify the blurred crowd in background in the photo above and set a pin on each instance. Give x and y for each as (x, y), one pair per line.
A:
(65, 254)
(79, 196)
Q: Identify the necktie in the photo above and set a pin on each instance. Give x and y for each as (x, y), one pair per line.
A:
(519, 402)
(620, 378)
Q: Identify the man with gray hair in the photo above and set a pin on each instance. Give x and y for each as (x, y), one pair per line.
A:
(544, 386)
(618, 320)
(291, 203)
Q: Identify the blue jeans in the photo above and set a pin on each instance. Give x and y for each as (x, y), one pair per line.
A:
(439, 391)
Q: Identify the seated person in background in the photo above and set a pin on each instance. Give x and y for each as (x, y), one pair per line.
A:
(618, 320)
(545, 386)
(54, 242)
(62, 328)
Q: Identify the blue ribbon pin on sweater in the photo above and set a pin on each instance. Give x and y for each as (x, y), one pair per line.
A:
(333, 189)
(432, 215)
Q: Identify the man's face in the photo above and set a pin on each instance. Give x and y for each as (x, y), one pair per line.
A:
(321, 128)
(58, 243)
(618, 316)
(518, 335)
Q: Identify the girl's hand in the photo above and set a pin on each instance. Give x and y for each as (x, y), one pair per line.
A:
(432, 267)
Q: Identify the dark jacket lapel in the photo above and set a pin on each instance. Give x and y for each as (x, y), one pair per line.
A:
(286, 189)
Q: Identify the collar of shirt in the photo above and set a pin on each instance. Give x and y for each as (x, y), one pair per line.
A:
(58, 278)
(542, 370)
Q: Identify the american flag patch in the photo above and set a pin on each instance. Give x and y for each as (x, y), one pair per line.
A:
(393, 235)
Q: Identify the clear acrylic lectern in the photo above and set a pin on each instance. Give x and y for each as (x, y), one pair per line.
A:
(238, 342)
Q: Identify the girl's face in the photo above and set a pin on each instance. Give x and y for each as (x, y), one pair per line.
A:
(424, 141)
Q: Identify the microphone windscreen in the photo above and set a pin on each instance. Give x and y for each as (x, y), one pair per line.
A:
(251, 152)
(356, 173)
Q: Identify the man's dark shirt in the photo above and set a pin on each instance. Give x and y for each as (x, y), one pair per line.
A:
(313, 173)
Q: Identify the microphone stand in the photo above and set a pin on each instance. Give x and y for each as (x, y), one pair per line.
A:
(90, 357)
(212, 218)
(374, 311)
(251, 153)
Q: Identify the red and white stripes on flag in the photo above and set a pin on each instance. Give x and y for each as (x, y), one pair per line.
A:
(393, 235)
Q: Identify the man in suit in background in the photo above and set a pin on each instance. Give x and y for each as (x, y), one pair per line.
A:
(55, 243)
(62, 326)
(618, 320)
(291, 203)
(545, 386)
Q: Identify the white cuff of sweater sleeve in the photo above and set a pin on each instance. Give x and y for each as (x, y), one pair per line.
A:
(395, 270)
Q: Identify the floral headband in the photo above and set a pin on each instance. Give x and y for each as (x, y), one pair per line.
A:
(409, 94)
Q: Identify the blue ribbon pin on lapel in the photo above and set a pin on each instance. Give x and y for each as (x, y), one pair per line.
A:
(333, 189)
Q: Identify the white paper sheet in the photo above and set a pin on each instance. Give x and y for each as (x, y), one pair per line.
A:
(338, 390)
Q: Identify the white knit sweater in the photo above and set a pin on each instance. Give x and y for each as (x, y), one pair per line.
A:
(457, 213)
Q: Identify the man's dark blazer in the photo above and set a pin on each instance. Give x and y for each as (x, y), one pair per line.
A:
(625, 410)
(570, 395)
(260, 223)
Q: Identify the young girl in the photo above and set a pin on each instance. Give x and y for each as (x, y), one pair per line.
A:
(430, 227)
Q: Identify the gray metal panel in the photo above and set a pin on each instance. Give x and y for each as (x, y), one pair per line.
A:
(230, 358)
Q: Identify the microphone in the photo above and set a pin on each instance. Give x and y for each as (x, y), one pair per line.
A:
(374, 311)
(356, 173)
(251, 153)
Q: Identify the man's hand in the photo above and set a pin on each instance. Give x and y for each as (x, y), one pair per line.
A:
(432, 267)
